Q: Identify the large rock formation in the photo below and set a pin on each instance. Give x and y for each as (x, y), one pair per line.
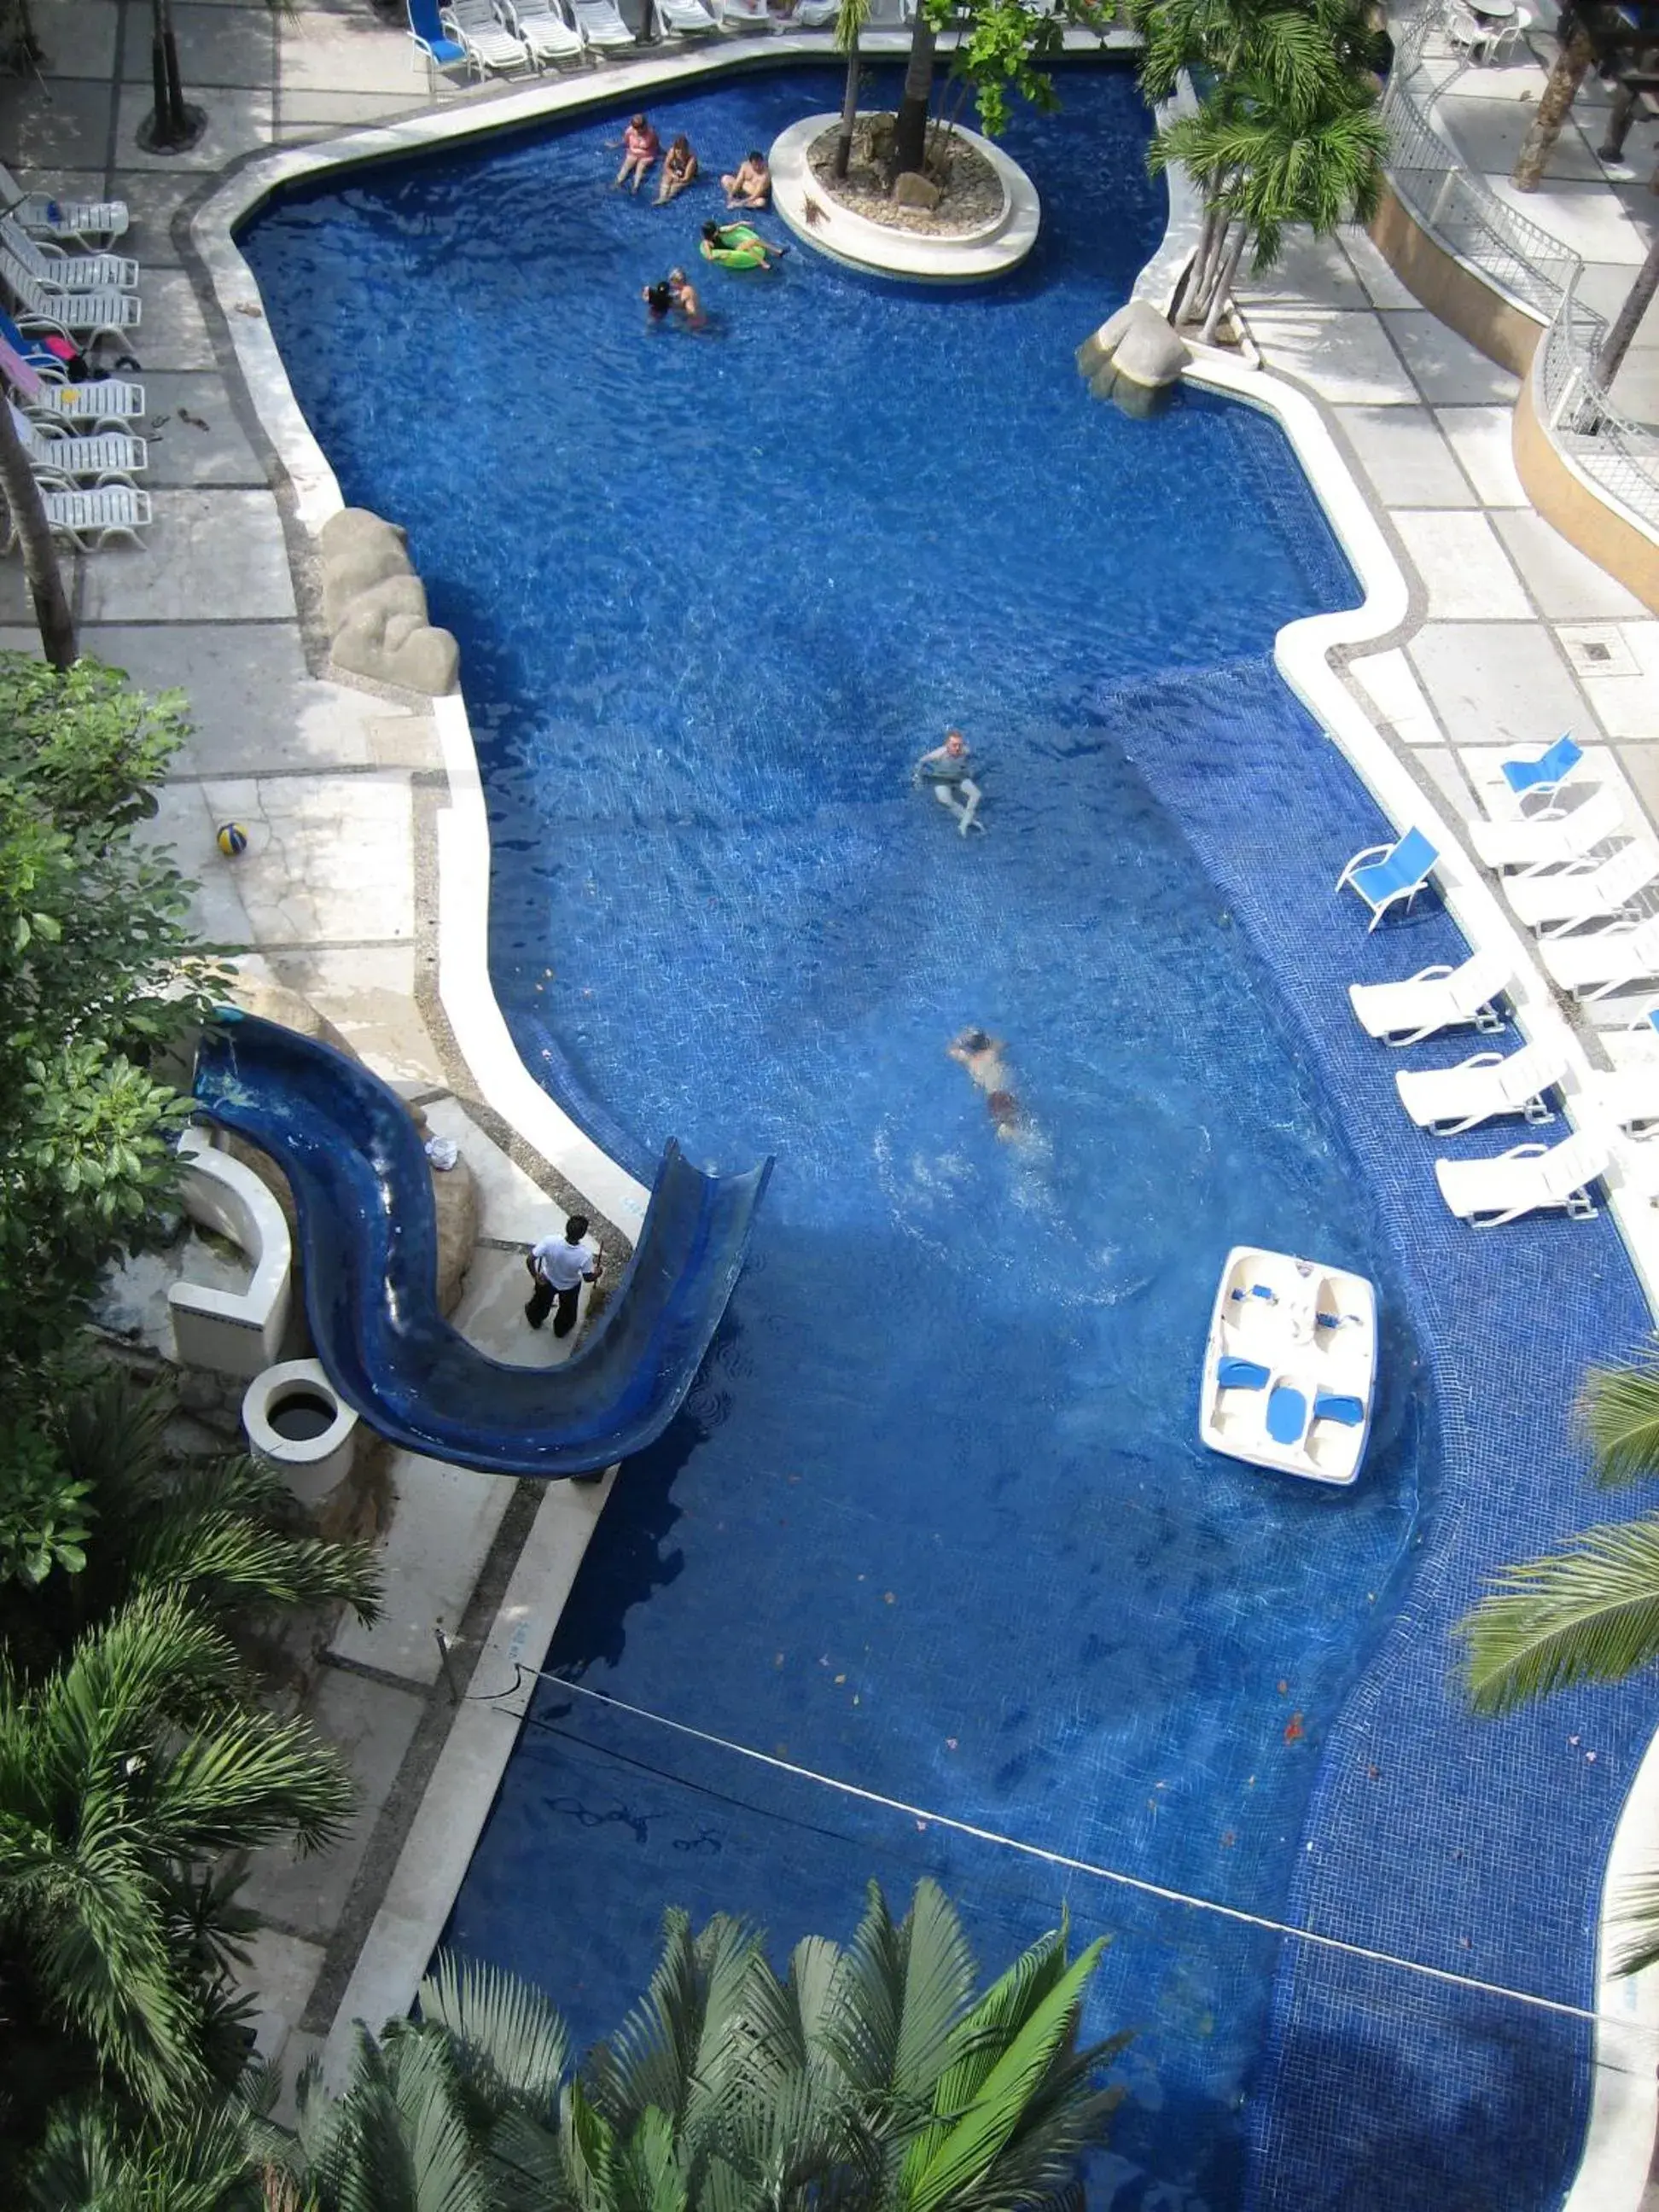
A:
(374, 607)
(1133, 359)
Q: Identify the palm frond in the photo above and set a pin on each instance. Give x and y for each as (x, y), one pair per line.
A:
(1637, 1916)
(1618, 1411)
(975, 2142)
(1590, 1614)
(508, 2038)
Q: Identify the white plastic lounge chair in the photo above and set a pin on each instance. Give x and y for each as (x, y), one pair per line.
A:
(57, 452)
(688, 19)
(816, 14)
(1612, 960)
(87, 515)
(89, 224)
(58, 271)
(543, 29)
(1383, 875)
(1578, 896)
(600, 24)
(736, 14)
(104, 403)
(1435, 999)
(1543, 774)
(88, 313)
(1449, 1100)
(487, 42)
(1549, 841)
(1630, 1097)
(1529, 1177)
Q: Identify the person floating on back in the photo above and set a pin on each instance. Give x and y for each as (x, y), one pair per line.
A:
(560, 1266)
(949, 770)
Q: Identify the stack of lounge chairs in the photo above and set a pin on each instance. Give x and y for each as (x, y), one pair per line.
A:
(1568, 871)
(70, 292)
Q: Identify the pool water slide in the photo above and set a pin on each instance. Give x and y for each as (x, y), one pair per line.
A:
(368, 1241)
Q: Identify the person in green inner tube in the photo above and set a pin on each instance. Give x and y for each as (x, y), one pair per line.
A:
(737, 245)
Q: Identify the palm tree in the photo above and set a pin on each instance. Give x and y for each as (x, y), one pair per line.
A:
(1265, 162)
(873, 2080)
(1628, 320)
(131, 1777)
(28, 519)
(1578, 52)
(90, 2162)
(1591, 1614)
(849, 24)
(175, 124)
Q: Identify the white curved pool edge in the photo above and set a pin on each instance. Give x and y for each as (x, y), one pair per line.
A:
(1619, 2140)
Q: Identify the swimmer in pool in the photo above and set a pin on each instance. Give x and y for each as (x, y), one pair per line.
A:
(948, 770)
(659, 298)
(981, 1053)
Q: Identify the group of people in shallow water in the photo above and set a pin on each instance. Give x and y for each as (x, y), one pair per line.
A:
(732, 245)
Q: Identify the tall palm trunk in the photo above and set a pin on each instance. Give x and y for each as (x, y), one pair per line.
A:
(849, 106)
(1574, 57)
(1223, 282)
(175, 123)
(1628, 320)
(28, 517)
(910, 134)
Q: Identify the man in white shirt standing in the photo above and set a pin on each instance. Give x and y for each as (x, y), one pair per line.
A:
(561, 1265)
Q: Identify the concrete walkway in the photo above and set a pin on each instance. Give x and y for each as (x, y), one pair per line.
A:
(1513, 636)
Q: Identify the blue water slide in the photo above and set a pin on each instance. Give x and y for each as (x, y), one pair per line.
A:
(369, 1245)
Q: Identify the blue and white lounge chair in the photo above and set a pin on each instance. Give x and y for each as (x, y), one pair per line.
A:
(1586, 893)
(102, 403)
(430, 36)
(1543, 775)
(89, 225)
(1385, 874)
(1551, 839)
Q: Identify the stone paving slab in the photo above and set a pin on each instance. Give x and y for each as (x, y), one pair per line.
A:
(371, 1724)
(1405, 458)
(184, 453)
(329, 859)
(1502, 683)
(368, 993)
(444, 1522)
(1464, 566)
(205, 549)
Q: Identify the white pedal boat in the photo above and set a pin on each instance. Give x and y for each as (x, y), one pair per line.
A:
(1290, 1366)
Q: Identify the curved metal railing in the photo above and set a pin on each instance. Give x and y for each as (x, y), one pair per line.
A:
(1525, 263)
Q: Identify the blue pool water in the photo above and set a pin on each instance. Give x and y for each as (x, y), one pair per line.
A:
(935, 1519)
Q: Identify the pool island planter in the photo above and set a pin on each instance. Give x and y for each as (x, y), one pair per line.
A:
(992, 249)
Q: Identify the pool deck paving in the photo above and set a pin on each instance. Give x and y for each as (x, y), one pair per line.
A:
(1512, 635)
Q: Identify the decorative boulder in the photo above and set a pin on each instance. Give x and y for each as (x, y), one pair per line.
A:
(374, 606)
(912, 190)
(1133, 359)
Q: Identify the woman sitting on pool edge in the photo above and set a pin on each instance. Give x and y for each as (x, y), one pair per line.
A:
(750, 186)
(679, 169)
(640, 146)
(736, 245)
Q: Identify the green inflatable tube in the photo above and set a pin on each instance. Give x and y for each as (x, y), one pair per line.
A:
(746, 250)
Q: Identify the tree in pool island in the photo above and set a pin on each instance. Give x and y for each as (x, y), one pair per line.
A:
(1000, 47)
(1589, 1613)
(1287, 135)
(872, 2079)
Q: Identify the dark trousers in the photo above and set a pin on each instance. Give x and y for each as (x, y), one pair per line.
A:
(541, 1300)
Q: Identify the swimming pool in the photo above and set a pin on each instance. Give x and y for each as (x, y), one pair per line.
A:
(935, 1519)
